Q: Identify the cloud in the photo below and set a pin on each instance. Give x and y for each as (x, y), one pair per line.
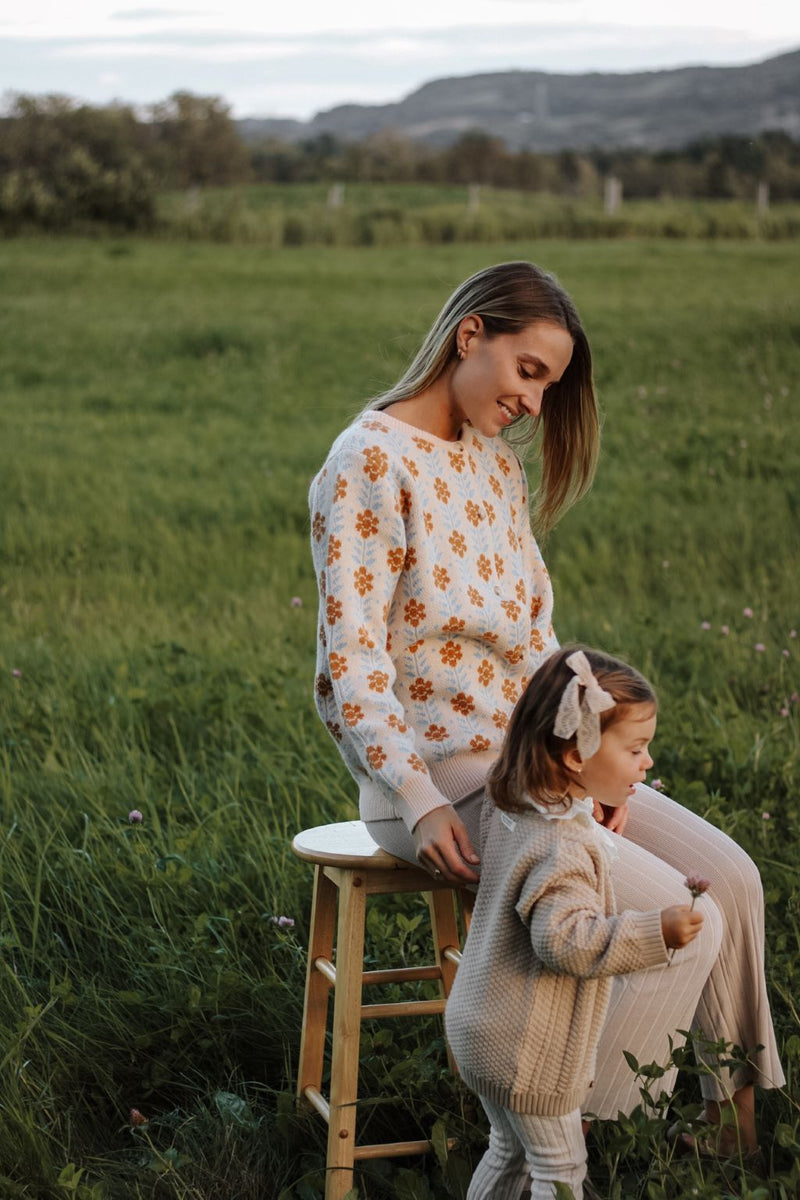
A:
(157, 14)
(298, 74)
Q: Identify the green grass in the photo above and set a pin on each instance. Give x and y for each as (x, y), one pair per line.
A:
(418, 214)
(165, 406)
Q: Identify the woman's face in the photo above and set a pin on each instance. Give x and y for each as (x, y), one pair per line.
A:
(503, 377)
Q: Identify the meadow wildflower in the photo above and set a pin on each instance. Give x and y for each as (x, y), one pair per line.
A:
(297, 602)
(747, 612)
(657, 784)
(135, 817)
(136, 1118)
(705, 624)
(759, 647)
(283, 922)
(725, 630)
(17, 673)
(697, 886)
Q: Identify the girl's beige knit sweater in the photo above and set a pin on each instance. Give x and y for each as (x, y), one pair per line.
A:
(435, 609)
(525, 1014)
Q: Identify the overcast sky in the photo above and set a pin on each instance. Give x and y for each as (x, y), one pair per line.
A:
(274, 58)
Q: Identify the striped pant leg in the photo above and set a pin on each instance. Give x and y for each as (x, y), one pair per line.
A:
(733, 1004)
(529, 1149)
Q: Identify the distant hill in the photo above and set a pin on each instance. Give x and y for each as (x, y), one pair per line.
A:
(535, 110)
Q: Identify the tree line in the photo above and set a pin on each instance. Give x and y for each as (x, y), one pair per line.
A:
(64, 164)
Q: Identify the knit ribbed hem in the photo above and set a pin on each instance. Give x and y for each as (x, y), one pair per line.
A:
(444, 783)
(653, 948)
(537, 1104)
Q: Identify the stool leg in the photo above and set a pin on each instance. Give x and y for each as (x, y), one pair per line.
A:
(315, 1004)
(445, 933)
(346, 1034)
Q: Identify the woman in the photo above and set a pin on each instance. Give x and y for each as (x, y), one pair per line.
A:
(436, 608)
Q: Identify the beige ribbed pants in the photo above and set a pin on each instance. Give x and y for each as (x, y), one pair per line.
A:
(524, 1149)
(716, 984)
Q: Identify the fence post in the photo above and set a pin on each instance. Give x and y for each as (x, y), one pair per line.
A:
(612, 195)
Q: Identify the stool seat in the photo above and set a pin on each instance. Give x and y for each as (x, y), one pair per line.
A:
(348, 867)
(346, 844)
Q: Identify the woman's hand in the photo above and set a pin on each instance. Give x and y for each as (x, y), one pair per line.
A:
(443, 847)
(613, 818)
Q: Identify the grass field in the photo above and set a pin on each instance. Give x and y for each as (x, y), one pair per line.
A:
(164, 408)
(386, 214)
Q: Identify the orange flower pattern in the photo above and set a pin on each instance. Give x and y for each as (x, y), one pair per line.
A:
(485, 672)
(376, 757)
(413, 538)
(377, 463)
(441, 489)
(367, 523)
(338, 665)
(436, 733)
(395, 558)
(362, 581)
(421, 689)
(451, 653)
(414, 613)
(474, 514)
(378, 681)
(458, 544)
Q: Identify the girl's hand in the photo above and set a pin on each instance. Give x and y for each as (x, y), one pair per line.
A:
(680, 925)
(443, 847)
(613, 818)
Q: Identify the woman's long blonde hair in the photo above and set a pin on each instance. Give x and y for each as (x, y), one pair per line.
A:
(509, 297)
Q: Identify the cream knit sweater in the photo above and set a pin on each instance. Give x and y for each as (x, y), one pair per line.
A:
(435, 609)
(526, 1010)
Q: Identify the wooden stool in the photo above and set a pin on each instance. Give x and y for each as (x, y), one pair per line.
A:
(348, 860)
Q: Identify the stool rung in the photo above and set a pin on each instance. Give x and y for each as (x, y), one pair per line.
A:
(326, 968)
(315, 1097)
(397, 1149)
(401, 975)
(403, 1008)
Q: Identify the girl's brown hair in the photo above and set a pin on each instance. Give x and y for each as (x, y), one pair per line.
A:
(509, 297)
(532, 758)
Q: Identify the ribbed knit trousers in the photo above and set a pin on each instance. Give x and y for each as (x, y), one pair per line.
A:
(715, 985)
(546, 1149)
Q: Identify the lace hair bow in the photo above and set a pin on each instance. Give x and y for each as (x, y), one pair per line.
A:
(582, 716)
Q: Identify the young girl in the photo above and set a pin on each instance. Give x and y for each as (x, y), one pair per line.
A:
(530, 997)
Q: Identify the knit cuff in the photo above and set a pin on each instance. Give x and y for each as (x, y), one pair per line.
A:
(651, 940)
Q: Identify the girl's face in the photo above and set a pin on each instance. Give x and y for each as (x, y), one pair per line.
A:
(623, 758)
(503, 377)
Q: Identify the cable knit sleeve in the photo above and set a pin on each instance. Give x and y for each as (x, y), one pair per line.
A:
(569, 929)
(359, 548)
